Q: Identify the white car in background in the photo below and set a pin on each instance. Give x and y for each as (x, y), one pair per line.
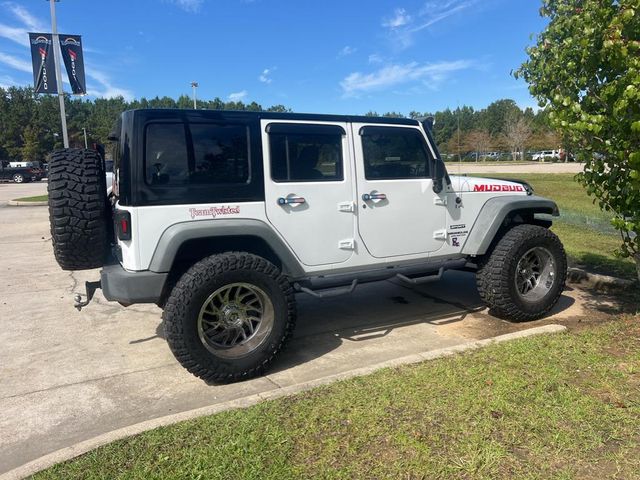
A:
(546, 154)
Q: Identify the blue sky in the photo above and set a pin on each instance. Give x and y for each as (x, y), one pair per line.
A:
(325, 56)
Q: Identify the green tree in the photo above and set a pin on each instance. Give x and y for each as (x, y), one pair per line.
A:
(494, 117)
(585, 69)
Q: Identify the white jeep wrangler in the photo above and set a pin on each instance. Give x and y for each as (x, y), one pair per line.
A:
(220, 218)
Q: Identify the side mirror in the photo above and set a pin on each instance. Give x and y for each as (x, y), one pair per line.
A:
(438, 176)
(427, 122)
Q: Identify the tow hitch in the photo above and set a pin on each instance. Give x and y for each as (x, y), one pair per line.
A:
(90, 288)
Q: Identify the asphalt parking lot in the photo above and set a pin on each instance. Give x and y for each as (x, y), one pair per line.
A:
(68, 376)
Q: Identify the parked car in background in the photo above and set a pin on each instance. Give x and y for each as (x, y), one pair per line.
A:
(23, 164)
(17, 174)
(546, 155)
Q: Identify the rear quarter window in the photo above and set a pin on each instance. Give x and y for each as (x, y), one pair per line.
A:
(182, 154)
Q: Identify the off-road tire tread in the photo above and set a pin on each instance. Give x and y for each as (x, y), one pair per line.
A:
(182, 294)
(78, 209)
(493, 281)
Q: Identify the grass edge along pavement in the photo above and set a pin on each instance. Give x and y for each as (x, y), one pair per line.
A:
(36, 198)
(561, 406)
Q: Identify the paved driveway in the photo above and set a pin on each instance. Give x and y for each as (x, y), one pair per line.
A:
(480, 168)
(11, 191)
(68, 376)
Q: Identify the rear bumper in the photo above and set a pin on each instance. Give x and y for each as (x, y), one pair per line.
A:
(131, 287)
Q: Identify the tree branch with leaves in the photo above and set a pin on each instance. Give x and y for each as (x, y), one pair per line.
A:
(585, 71)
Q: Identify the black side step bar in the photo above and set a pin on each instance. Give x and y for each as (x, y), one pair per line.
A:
(334, 292)
(421, 280)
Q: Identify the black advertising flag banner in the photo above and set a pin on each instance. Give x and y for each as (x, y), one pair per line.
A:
(71, 49)
(44, 72)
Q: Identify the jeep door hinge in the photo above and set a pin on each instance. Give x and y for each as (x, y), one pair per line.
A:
(346, 207)
(440, 234)
(347, 244)
(440, 201)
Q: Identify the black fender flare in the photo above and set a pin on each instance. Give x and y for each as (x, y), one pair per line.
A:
(177, 234)
(493, 213)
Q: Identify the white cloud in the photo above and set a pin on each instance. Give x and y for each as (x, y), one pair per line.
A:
(403, 26)
(347, 50)
(375, 58)
(191, 6)
(400, 18)
(16, 63)
(15, 34)
(238, 96)
(265, 76)
(434, 12)
(20, 34)
(105, 89)
(31, 22)
(392, 75)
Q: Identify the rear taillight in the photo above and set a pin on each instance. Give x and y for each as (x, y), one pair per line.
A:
(122, 220)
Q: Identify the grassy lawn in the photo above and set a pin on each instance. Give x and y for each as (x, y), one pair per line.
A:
(554, 406)
(584, 229)
(37, 198)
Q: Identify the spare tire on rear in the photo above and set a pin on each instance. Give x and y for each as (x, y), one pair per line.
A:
(78, 209)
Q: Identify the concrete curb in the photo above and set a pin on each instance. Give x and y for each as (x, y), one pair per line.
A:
(16, 203)
(600, 283)
(80, 448)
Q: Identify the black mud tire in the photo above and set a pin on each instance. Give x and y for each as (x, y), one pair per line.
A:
(496, 274)
(78, 209)
(194, 287)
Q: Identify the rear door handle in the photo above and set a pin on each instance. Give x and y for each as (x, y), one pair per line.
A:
(290, 200)
(373, 196)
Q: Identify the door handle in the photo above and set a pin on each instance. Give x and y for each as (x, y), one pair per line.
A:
(291, 200)
(373, 196)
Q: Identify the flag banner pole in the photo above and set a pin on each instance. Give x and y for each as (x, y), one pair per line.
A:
(56, 58)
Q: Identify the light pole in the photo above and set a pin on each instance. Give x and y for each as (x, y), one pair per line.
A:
(56, 62)
(84, 131)
(194, 85)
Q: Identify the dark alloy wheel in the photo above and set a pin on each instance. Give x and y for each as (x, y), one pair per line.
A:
(524, 275)
(229, 316)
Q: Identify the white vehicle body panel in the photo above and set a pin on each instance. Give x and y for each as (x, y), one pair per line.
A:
(415, 224)
(404, 223)
(321, 230)
(149, 223)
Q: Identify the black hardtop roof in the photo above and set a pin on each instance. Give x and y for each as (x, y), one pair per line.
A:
(151, 113)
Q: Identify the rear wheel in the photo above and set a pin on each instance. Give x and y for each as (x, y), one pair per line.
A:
(524, 275)
(18, 178)
(229, 316)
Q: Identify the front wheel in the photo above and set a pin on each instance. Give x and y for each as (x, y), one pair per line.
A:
(18, 178)
(524, 275)
(229, 316)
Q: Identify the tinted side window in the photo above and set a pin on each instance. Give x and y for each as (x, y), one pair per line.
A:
(306, 157)
(221, 153)
(394, 153)
(166, 157)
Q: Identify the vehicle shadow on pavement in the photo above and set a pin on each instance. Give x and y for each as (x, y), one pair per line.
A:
(408, 315)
